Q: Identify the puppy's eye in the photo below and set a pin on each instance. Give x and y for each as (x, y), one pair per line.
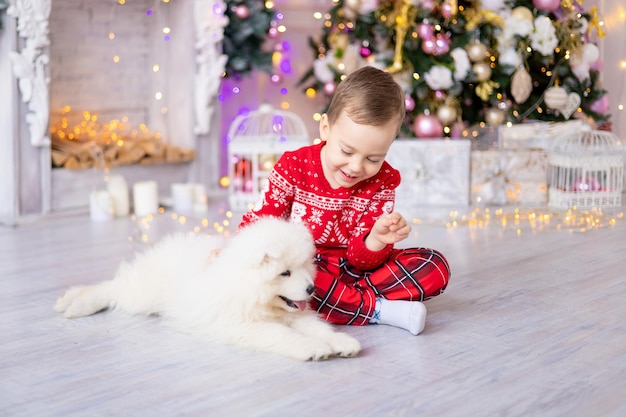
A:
(286, 273)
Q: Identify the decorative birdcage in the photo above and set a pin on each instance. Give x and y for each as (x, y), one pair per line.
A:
(586, 171)
(256, 141)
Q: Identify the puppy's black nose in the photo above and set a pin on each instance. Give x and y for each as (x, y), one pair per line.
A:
(310, 289)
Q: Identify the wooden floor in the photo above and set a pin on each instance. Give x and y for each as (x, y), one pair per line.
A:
(532, 324)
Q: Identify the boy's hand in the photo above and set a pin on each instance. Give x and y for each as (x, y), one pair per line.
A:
(388, 229)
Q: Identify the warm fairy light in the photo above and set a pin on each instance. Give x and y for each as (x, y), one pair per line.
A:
(116, 58)
(269, 4)
(111, 35)
(534, 219)
(86, 127)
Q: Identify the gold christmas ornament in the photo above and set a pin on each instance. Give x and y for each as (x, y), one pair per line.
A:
(351, 8)
(447, 114)
(555, 97)
(476, 51)
(339, 41)
(522, 13)
(482, 71)
(521, 85)
(494, 116)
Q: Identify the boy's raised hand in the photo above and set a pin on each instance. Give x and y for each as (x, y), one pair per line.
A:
(388, 229)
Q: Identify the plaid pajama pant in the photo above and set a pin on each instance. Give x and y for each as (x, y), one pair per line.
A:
(346, 295)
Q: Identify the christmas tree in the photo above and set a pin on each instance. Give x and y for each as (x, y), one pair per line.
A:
(469, 63)
(250, 22)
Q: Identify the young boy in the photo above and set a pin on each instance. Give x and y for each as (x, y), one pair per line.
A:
(344, 191)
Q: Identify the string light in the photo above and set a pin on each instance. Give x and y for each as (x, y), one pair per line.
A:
(153, 227)
(534, 220)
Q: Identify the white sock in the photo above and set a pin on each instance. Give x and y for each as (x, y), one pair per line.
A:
(408, 315)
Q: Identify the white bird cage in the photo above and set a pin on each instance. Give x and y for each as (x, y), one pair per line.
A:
(256, 141)
(586, 171)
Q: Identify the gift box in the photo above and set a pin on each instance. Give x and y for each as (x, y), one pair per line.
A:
(435, 172)
(506, 176)
(538, 135)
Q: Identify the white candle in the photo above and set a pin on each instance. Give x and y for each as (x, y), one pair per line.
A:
(100, 206)
(200, 199)
(118, 189)
(183, 196)
(145, 198)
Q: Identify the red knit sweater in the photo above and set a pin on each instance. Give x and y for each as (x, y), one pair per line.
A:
(339, 219)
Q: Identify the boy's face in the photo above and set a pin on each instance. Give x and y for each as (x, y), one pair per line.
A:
(353, 152)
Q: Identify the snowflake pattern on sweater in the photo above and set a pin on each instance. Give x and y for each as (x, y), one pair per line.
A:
(339, 219)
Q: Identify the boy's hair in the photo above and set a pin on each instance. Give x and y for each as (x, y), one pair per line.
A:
(369, 96)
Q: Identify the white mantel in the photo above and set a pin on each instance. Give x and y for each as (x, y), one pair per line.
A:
(27, 180)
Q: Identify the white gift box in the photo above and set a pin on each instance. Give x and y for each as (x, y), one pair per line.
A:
(506, 176)
(526, 176)
(487, 178)
(435, 172)
(538, 135)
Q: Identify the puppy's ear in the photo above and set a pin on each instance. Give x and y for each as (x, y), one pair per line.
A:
(263, 254)
(273, 252)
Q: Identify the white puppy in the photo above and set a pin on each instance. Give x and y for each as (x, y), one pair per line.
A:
(253, 294)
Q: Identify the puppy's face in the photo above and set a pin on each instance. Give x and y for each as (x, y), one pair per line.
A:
(292, 284)
(282, 254)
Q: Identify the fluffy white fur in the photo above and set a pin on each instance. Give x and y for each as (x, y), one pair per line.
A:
(252, 294)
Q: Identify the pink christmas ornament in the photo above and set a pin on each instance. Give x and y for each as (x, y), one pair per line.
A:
(429, 46)
(547, 5)
(601, 106)
(446, 10)
(597, 66)
(427, 126)
(425, 30)
(329, 88)
(442, 44)
(409, 103)
(428, 5)
(457, 130)
(365, 52)
(242, 11)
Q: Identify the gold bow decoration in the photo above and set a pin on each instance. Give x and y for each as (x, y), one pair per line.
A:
(595, 22)
(402, 21)
(475, 17)
(485, 89)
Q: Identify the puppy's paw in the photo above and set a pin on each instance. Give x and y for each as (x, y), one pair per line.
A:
(343, 345)
(77, 302)
(311, 350)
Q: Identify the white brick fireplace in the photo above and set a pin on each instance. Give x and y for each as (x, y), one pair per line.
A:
(62, 55)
